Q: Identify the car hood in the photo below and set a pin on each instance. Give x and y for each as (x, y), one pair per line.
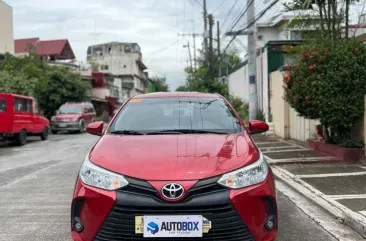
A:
(173, 157)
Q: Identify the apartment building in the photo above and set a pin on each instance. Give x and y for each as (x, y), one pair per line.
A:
(6, 30)
(124, 61)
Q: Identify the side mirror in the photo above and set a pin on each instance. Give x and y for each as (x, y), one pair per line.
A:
(256, 127)
(95, 128)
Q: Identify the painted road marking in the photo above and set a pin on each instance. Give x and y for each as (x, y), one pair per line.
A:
(332, 174)
(363, 212)
(298, 160)
(349, 196)
(280, 151)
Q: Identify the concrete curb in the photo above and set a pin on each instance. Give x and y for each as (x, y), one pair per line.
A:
(354, 220)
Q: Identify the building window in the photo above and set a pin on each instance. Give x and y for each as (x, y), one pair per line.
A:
(104, 67)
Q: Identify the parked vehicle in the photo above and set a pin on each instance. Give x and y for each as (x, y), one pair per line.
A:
(189, 174)
(20, 117)
(73, 117)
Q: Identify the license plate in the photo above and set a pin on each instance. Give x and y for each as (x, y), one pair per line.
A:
(62, 125)
(172, 226)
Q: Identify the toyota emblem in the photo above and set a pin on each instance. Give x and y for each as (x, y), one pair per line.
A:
(172, 191)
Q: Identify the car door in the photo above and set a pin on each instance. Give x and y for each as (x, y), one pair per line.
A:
(86, 114)
(23, 116)
(37, 119)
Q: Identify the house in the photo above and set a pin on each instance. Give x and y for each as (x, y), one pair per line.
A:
(151, 87)
(123, 60)
(104, 93)
(49, 50)
(271, 37)
(6, 30)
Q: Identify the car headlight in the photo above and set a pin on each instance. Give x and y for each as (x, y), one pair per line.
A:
(247, 176)
(96, 176)
(75, 119)
(53, 118)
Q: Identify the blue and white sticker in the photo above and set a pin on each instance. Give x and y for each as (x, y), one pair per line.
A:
(173, 226)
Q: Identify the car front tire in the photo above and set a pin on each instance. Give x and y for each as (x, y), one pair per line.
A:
(21, 138)
(44, 134)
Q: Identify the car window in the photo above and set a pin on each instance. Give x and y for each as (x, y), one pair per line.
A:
(70, 109)
(2, 105)
(155, 114)
(35, 110)
(22, 105)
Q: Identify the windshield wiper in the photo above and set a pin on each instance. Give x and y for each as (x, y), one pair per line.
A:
(163, 132)
(127, 132)
(194, 131)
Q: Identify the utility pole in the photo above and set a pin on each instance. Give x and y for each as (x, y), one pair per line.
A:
(218, 49)
(194, 35)
(252, 57)
(252, 68)
(194, 51)
(210, 54)
(205, 29)
(189, 53)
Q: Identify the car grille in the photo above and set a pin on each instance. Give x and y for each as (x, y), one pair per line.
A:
(226, 223)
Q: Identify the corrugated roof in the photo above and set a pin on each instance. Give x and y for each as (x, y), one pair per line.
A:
(22, 45)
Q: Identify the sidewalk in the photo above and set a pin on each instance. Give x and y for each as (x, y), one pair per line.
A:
(338, 187)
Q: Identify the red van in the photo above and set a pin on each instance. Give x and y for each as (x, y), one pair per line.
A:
(20, 117)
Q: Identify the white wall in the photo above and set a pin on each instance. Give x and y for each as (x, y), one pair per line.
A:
(268, 34)
(6, 28)
(238, 84)
(100, 93)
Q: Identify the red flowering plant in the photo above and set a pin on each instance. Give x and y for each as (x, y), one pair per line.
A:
(327, 82)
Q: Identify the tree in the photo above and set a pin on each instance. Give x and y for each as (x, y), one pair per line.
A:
(332, 14)
(17, 83)
(51, 86)
(328, 83)
(62, 86)
(160, 83)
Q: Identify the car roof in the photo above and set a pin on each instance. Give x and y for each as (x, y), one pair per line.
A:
(15, 95)
(176, 94)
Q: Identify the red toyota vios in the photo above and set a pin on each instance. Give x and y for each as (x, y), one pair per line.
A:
(175, 166)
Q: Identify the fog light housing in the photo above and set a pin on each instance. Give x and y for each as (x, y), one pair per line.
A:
(270, 223)
(78, 225)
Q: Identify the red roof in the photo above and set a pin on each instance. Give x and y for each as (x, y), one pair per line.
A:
(56, 48)
(22, 45)
(51, 47)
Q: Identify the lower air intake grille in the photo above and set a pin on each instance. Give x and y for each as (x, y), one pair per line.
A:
(226, 222)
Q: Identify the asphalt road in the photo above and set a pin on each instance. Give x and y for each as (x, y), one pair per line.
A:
(37, 180)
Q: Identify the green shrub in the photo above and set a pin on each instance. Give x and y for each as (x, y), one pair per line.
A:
(328, 83)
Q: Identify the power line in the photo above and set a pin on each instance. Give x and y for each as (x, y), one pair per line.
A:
(248, 26)
(227, 16)
(164, 48)
(199, 3)
(222, 2)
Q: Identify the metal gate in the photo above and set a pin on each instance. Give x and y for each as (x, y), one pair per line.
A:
(301, 129)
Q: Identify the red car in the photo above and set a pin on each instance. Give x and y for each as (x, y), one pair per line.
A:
(175, 166)
(20, 117)
(73, 117)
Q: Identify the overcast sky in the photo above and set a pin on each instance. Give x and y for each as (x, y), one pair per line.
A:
(153, 24)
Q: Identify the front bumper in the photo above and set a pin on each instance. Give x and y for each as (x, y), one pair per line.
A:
(65, 126)
(236, 215)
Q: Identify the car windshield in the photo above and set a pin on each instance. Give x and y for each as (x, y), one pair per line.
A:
(176, 115)
(70, 109)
